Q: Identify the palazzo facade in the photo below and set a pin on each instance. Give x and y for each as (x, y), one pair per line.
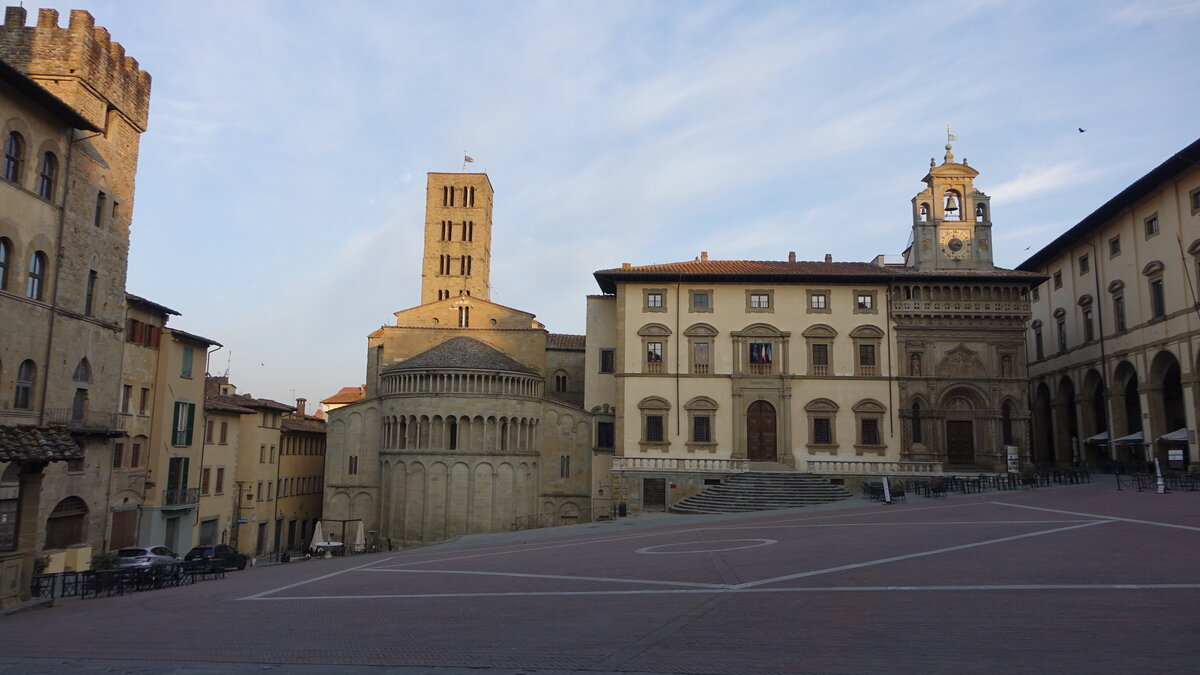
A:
(708, 367)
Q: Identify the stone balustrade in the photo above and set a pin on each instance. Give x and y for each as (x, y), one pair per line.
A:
(872, 468)
(681, 465)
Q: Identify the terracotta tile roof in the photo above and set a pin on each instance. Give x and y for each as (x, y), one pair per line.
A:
(347, 395)
(565, 342)
(132, 299)
(303, 424)
(463, 352)
(222, 404)
(193, 337)
(36, 444)
(248, 401)
(778, 271)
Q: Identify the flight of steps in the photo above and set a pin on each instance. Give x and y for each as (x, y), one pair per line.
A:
(762, 491)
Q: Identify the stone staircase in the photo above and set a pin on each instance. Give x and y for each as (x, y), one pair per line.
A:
(762, 491)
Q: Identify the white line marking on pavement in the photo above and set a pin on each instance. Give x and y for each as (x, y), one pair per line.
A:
(689, 584)
(650, 550)
(949, 549)
(735, 590)
(1096, 515)
(932, 522)
(258, 596)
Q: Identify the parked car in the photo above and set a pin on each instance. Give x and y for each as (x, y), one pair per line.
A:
(219, 555)
(145, 556)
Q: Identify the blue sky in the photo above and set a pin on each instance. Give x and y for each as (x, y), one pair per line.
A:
(290, 141)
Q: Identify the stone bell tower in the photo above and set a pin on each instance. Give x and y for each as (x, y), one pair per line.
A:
(952, 220)
(458, 237)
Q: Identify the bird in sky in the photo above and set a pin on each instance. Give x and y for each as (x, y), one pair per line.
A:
(1081, 130)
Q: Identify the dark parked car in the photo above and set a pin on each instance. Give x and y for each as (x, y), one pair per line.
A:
(145, 556)
(219, 555)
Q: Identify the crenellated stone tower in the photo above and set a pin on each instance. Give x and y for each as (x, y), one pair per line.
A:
(952, 226)
(458, 237)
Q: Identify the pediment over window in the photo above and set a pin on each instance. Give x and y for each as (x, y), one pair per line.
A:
(760, 330)
(1194, 249)
(819, 330)
(1153, 267)
(1085, 300)
(654, 329)
(1116, 285)
(1059, 313)
(869, 405)
(653, 403)
(701, 403)
(701, 330)
(866, 332)
(821, 405)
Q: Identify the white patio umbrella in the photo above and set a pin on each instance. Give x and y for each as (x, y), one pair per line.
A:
(360, 541)
(318, 535)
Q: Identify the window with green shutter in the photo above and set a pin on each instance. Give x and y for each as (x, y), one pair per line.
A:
(186, 371)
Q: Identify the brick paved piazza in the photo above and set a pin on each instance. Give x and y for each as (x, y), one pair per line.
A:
(1065, 579)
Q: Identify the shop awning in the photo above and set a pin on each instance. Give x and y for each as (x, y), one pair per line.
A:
(1099, 438)
(1131, 439)
(1177, 436)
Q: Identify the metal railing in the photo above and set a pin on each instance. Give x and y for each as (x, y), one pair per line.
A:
(680, 464)
(181, 496)
(871, 468)
(86, 420)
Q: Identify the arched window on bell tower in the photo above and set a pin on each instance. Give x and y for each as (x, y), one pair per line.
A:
(952, 205)
(980, 213)
(923, 213)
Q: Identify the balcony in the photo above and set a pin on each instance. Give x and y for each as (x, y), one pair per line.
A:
(819, 370)
(761, 368)
(88, 421)
(181, 496)
(700, 368)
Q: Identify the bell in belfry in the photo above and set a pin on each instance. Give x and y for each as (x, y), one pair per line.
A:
(951, 203)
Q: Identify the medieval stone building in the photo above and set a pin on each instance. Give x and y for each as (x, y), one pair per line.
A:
(472, 419)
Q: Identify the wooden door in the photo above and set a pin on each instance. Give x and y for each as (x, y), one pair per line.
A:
(654, 494)
(760, 432)
(960, 442)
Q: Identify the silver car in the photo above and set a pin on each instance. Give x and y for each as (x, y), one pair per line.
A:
(145, 556)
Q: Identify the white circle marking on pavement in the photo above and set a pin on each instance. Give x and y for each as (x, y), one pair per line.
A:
(653, 550)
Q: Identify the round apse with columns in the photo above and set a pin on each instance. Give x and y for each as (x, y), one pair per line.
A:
(459, 442)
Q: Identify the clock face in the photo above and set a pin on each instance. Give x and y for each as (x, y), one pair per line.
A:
(956, 244)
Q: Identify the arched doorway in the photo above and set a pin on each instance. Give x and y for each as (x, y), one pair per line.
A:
(960, 410)
(760, 432)
(65, 524)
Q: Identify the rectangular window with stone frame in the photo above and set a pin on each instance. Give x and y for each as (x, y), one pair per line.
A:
(867, 341)
(818, 301)
(869, 415)
(654, 356)
(701, 357)
(760, 300)
(654, 412)
(822, 425)
(865, 302)
(761, 357)
(700, 300)
(654, 300)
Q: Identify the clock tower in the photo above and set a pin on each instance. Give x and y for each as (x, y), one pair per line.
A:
(952, 221)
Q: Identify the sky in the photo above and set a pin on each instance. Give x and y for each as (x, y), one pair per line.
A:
(289, 140)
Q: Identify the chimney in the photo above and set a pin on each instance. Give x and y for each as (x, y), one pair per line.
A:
(791, 256)
(300, 407)
(828, 257)
(703, 256)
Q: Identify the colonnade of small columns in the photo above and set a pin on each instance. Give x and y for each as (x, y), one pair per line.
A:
(462, 383)
(423, 432)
